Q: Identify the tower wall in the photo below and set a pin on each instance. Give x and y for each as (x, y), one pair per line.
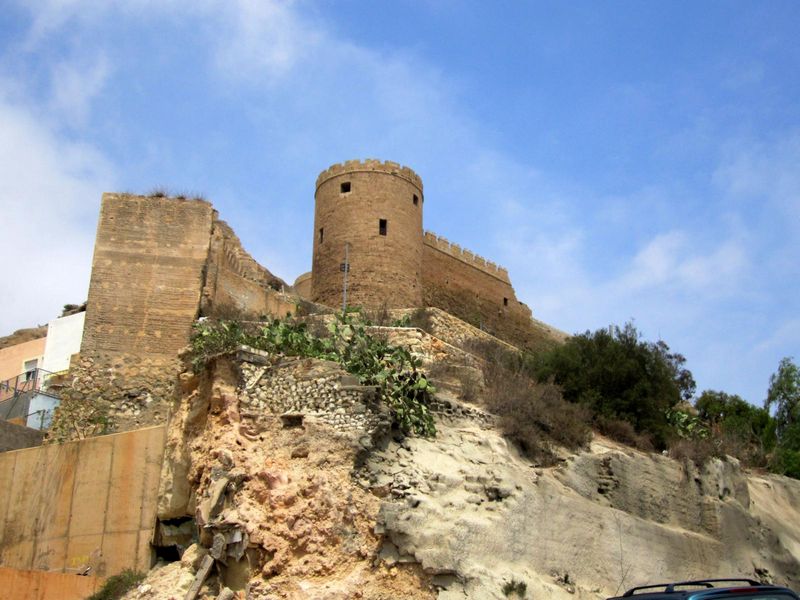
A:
(351, 201)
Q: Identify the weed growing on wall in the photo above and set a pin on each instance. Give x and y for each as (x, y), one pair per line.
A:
(117, 586)
(393, 369)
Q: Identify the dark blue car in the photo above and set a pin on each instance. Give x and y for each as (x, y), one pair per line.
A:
(710, 589)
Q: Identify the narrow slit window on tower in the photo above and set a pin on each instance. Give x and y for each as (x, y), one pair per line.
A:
(382, 226)
(344, 188)
(416, 200)
(505, 301)
(321, 234)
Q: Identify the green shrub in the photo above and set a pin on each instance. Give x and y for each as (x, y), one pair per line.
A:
(618, 376)
(534, 415)
(117, 586)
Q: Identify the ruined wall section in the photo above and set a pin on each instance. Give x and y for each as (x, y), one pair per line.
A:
(236, 285)
(144, 294)
(352, 199)
(159, 263)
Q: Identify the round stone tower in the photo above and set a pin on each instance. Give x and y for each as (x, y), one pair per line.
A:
(370, 211)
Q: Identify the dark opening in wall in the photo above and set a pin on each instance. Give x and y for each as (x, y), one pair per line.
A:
(321, 234)
(505, 301)
(382, 226)
(416, 200)
(344, 188)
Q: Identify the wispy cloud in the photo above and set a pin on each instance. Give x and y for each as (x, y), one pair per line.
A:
(50, 193)
(75, 84)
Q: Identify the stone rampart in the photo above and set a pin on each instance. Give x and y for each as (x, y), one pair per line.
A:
(235, 284)
(371, 165)
(147, 273)
(462, 254)
(159, 263)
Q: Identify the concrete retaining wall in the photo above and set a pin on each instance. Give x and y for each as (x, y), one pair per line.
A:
(81, 506)
(40, 585)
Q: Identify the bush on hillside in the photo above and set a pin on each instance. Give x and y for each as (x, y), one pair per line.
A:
(533, 415)
(619, 376)
(737, 427)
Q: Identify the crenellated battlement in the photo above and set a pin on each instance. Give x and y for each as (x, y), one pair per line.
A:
(370, 165)
(456, 251)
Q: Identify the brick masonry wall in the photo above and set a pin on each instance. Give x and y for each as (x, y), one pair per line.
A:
(383, 269)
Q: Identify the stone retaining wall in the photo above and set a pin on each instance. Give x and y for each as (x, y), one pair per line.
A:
(302, 388)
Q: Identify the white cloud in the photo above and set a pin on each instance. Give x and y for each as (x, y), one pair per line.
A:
(759, 170)
(75, 84)
(672, 262)
(50, 191)
(261, 37)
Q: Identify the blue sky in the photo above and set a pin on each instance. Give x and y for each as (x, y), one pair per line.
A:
(626, 160)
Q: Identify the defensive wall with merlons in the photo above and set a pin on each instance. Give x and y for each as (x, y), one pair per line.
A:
(369, 215)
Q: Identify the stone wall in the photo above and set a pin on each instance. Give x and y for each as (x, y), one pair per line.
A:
(303, 388)
(147, 273)
(445, 246)
(468, 287)
(351, 199)
(235, 284)
(159, 263)
(451, 329)
(302, 285)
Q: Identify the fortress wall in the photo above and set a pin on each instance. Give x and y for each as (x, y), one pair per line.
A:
(158, 264)
(302, 285)
(465, 256)
(236, 284)
(148, 270)
(147, 273)
(448, 266)
(474, 290)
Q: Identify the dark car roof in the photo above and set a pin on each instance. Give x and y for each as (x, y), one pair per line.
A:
(707, 589)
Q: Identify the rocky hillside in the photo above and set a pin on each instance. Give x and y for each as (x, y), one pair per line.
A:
(296, 487)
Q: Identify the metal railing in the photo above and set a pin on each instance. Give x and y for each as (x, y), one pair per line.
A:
(29, 381)
(17, 393)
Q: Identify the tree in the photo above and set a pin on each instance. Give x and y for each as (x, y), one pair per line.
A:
(739, 428)
(784, 395)
(619, 376)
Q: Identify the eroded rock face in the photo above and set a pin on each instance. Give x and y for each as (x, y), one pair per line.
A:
(274, 500)
(476, 515)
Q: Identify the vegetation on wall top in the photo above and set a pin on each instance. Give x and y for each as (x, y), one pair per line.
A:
(403, 386)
